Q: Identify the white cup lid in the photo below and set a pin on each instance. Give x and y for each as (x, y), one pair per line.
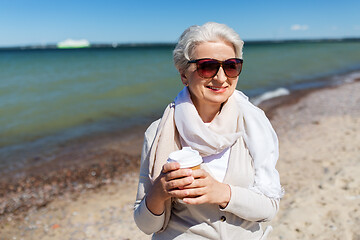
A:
(187, 157)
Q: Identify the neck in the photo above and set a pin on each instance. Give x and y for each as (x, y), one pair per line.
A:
(207, 112)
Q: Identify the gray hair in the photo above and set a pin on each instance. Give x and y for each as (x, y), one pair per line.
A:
(209, 32)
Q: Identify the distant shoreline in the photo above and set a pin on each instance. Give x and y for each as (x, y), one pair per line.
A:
(170, 44)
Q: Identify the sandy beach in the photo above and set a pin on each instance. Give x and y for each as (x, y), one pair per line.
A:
(319, 167)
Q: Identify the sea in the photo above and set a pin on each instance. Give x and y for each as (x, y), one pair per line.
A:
(60, 94)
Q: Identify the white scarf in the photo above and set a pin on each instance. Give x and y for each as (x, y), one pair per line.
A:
(238, 117)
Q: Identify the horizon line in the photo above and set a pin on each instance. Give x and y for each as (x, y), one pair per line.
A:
(164, 44)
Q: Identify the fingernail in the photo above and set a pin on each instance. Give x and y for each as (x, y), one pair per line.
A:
(191, 179)
(189, 172)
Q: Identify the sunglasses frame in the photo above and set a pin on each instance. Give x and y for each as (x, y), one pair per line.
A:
(221, 65)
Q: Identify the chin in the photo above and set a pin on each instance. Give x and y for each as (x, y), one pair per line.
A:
(218, 99)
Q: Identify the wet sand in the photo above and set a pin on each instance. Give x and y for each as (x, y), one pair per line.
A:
(87, 192)
(77, 165)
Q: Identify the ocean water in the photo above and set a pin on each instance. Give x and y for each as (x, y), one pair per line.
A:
(51, 92)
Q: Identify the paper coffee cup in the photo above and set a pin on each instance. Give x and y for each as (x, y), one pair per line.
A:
(187, 157)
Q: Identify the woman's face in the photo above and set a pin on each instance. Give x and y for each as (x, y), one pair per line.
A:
(210, 91)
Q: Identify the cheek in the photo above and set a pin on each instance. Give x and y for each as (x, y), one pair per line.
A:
(195, 88)
(234, 83)
(196, 81)
(232, 87)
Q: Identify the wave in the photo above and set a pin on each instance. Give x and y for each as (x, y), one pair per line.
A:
(270, 94)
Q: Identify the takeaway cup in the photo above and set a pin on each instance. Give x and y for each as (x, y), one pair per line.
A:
(187, 157)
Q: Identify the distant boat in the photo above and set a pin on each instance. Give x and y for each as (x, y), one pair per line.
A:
(70, 43)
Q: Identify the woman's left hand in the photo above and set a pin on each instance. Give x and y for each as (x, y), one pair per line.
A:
(205, 189)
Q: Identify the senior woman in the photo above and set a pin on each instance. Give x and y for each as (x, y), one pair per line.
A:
(237, 186)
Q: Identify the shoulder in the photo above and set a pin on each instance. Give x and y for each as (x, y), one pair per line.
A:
(151, 130)
(149, 137)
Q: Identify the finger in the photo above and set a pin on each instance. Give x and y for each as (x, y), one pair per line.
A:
(167, 167)
(195, 192)
(178, 193)
(200, 173)
(180, 173)
(178, 183)
(195, 200)
(197, 183)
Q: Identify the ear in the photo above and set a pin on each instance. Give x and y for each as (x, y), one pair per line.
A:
(184, 79)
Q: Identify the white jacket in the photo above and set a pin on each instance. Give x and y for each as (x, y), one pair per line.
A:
(239, 220)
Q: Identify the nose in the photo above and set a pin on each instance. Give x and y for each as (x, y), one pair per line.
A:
(220, 76)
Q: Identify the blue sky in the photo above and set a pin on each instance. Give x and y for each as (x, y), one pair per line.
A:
(26, 22)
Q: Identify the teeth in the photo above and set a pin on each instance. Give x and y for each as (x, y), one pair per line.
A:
(215, 88)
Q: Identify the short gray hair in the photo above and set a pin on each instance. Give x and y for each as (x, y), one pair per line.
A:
(209, 32)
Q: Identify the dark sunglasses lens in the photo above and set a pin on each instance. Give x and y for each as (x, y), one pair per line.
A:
(232, 67)
(207, 68)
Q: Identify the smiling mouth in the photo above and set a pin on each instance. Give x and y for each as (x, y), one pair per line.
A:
(216, 88)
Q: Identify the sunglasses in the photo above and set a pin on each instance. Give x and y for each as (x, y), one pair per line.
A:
(208, 67)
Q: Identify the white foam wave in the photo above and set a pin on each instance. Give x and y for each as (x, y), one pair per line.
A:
(351, 77)
(347, 78)
(271, 94)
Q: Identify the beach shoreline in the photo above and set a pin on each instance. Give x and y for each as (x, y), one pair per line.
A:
(79, 164)
(86, 162)
(107, 165)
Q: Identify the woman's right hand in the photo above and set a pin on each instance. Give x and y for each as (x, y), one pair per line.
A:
(170, 183)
